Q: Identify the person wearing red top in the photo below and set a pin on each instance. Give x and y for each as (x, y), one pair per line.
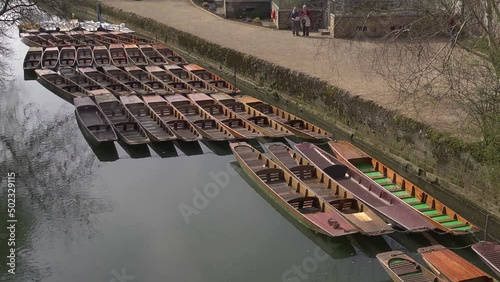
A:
(305, 18)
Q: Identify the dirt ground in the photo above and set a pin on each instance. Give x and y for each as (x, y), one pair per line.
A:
(348, 64)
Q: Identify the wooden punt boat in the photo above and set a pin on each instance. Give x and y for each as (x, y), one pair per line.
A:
(293, 123)
(441, 216)
(53, 40)
(169, 54)
(216, 81)
(101, 56)
(106, 38)
(152, 55)
(134, 38)
(60, 85)
(81, 80)
(208, 127)
(126, 127)
(489, 252)
(135, 55)
(118, 55)
(32, 40)
(83, 40)
(402, 268)
(149, 80)
(94, 123)
(84, 57)
(33, 58)
(170, 80)
(66, 39)
(450, 267)
(129, 80)
(238, 127)
(290, 194)
(358, 214)
(190, 79)
(99, 39)
(50, 58)
(156, 129)
(180, 126)
(267, 126)
(67, 56)
(109, 83)
(378, 199)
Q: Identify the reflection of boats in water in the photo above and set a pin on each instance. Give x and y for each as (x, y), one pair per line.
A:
(105, 152)
(164, 149)
(335, 247)
(136, 151)
(189, 148)
(219, 148)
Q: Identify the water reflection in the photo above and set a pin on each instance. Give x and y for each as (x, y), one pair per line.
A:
(164, 149)
(189, 148)
(220, 148)
(136, 151)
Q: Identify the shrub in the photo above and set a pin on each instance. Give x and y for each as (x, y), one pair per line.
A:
(204, 4)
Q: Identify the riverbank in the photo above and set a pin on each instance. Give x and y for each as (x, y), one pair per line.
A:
(429, 155)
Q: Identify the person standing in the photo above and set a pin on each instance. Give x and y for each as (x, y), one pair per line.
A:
(305, 18)
(295, 15)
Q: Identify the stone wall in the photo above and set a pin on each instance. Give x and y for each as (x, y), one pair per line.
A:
(377, 25)
(450, 165)
(248, 10)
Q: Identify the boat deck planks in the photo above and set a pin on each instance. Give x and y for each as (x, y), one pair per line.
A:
(489, 253)
(402, 268)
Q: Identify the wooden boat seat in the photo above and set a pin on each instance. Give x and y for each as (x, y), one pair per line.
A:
(263, 108)
(400, 267)
(156, 59)
(206, 123)
(99, 127)
(306, 205)
(270, 175)
(304, 171)
(163, 110)
(297, 123)
(126, 126)
(213, 109)
(259, 120)
(344, 204)
(177, 85)
(178, 124)
(188, 109)
(233, 122)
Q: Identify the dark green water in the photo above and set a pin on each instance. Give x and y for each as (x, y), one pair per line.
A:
(116, 216)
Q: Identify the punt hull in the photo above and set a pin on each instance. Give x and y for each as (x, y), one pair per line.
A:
(434, 211)
(489, 252)
(415, 271)
(276, 198)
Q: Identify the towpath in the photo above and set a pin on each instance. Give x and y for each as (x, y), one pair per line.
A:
(347, 64)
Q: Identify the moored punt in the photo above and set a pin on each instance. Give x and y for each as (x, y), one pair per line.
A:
(127, 129)
(32, 40)
(67, 56)
(149, 80)
(490, 254)
(133, 38)
(111, 84)
(84, 57)
(135, 55)
(238, 127)
(169, 54)
(101, 56)
(81, 80)
(156, 129)
(290, 194)
(441, 216)
(66, 39)
(94, 123)
(450, 267)
(190, 79)
(358, 214)
(118, 55)
(99, 39)
(105, 37)
(378, 199)
(180, 126)
(33, 58)
(293, 123)
(216, 81)
(83, 40)
(50, 58)
(60, 85)
(208, 127)
(53, 40)
(402, 268)
(129, 80)
(266, 126)
(170, 80)
(152, 55)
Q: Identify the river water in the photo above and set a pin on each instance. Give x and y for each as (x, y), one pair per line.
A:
(117, 213)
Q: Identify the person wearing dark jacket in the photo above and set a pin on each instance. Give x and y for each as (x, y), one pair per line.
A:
(295, 15)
